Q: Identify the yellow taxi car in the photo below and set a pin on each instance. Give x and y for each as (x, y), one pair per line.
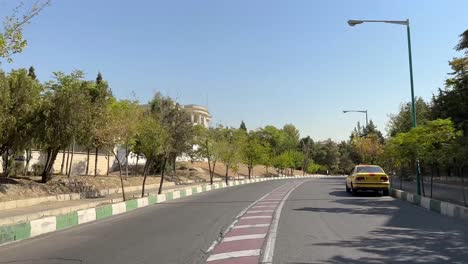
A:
(368, 177)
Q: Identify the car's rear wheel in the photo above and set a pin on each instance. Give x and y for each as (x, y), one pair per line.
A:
(386, 192)
(347, 188)
(353, 191)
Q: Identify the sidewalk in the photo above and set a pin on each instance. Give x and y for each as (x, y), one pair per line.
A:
(12, 216)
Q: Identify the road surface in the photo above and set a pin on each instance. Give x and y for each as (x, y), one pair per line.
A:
(319, 223)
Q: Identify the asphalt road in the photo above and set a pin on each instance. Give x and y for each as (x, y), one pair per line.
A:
(178, 231)
(319, 223)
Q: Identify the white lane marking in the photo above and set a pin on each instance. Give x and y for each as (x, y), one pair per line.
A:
(250, 226)
(260, 211)
(261, 202)
(234, 254)
(255, 217)
(271, 199)
(270, 243)
(243, 237)
(264, 206)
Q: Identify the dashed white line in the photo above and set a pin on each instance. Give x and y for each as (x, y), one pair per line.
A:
(256, 217)
(250, 226)
(234, 254)
(243, 237)
(260, 211)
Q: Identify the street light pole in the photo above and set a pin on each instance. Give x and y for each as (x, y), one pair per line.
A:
(413, 105)
(358, 111)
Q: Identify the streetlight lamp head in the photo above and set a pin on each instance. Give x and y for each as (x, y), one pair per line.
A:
(354, 22)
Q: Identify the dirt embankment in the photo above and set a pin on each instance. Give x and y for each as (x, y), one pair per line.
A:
(30, 186)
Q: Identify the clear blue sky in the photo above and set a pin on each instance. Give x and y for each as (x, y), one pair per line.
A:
(264, 62)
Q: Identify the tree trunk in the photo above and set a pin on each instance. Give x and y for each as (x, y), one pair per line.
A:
(213, 171)
(144, 179)
(162, 175)
(96, 162)
(28, 159)
(51, 156)
(432, 178)
(120, 175)
(108, 164)
(249, 169)
(71, 159)
(68, 157)
(209, 170)
(460, 172)
(136, 165)
(174, 172)
(87, 162)
(126, 161)
(227, 168)
(6, 168)
(63, 162)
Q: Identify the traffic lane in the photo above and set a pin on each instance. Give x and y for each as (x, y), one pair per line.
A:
(321, 223)
(178, 231)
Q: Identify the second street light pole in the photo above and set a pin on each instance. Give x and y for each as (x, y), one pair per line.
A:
(358, 111)
(413, 105)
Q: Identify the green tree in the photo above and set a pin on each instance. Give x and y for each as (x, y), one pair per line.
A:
(207, 141)
(123, 123)
(19, 103)
(346, 163)
(178, 126)
(231, 148)
(401, 122)
(152, 138)
(11, 35)
(61, 120)
(242, 126)
(253, 152)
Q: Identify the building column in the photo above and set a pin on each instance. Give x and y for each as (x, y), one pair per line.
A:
(199, 119)
(192, 117)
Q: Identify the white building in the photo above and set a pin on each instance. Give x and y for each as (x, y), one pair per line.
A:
(198, 114)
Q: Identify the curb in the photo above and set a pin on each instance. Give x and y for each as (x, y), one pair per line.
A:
(24, 230)
(437, 206)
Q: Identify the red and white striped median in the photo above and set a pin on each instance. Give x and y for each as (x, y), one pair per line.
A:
(243, 242)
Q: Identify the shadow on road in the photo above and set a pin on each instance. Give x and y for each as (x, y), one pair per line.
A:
(409, 236)
(405, 245)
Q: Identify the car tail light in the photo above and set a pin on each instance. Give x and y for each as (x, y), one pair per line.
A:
(360, 179)
(384, 179)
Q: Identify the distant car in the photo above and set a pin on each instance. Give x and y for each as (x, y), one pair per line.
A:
(368, 178)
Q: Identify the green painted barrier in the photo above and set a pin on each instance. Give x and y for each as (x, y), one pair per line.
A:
(131, 205)
(103, 211)
(66, 220)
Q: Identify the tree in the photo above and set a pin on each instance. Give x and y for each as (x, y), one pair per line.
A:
(230, 147)
(326, 153)
(369, 148)
(178, 126)
(306, 146)
(402, 122)
(253, 152)
(60, 117)
(242, 126)
(123, 123)
(463, 44)
(207, 141)
(19, 103)
(346, 163)
(100, 97)
(152, 138)
(32, 73)
(11, 35)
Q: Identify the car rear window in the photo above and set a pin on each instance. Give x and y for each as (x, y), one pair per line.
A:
(371, 169)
